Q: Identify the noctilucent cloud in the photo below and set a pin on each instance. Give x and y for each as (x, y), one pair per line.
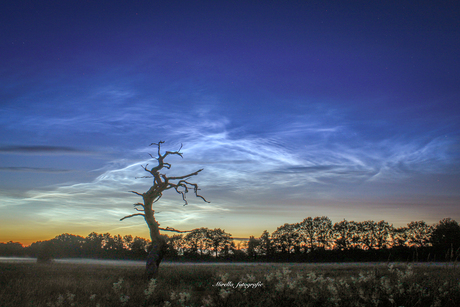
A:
(293, 109)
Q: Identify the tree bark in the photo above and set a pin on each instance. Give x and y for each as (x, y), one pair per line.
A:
(159, 245)
(154, 258)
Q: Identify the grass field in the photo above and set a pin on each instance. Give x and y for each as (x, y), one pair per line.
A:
(64, 284)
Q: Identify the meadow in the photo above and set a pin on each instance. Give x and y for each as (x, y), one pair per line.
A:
(67, 284)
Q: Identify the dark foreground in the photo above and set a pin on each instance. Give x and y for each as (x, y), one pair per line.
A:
(67, 284)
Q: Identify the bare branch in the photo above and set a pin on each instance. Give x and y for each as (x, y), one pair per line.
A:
(137, 193)
(135, 214)
(174, 230)
(186, 176)
(157, 144)
(137, 209)
(172, 153)
(176, 187)
(166, 165)
(196, 189)
(197, 195)
(143, 177)
(158, 198)
(159, 147)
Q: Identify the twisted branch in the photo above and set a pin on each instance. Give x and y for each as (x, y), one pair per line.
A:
(137, 193)
(175, 230)
(161, 182)
(135, 214)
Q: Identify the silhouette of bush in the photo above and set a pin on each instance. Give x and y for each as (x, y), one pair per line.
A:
(45, 252)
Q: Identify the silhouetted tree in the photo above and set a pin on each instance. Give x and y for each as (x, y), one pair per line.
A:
(322, 231)
(68, 245)
(229, 247)
(446, 237)
(265, 244)
(11, 249)
(161, 183)
(127, 240)
(314, 233)
(219, 240)
(176, 245)
(307, 231)
(374, 235)
(113, 246)
(400, 237)
(197, 241)
(139, 247)
(418, 234)
(345, 235)
(45, 252)
(252, 247)
(285, 238)
(92, 246)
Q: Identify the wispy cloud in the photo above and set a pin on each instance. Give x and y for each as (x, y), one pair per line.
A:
(42, 149)
(243, 173)
(318, 156)
(34, 169)
(298, 154)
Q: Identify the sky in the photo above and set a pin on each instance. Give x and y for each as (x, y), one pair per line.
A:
(345, 109)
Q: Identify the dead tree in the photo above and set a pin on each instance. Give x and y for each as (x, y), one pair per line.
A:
(161, 183)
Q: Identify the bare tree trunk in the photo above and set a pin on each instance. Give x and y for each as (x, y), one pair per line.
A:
(161, 183)
(158, 242)
(154, 258)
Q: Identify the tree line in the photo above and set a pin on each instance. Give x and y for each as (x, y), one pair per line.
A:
(314, 239)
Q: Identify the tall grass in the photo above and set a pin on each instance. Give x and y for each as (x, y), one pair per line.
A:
(31, 284)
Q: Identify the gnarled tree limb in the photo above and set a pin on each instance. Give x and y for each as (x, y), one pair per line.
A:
(161, 183)
(175, 230)
(135, 214)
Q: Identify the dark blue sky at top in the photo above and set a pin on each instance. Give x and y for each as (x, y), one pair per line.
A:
(319, 96)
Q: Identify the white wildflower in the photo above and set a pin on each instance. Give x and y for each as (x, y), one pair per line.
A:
(391, 268)
(124, 299)
(150, 288)
(207, 301)
(311, 276)
(70, 298)
(183, 297)
(224, 293)
(332, 289)
(224, 277)
(117, 285)
(279, 286)
(269, 277)
(60, 300)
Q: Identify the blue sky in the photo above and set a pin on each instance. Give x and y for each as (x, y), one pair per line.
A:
(294, 109)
